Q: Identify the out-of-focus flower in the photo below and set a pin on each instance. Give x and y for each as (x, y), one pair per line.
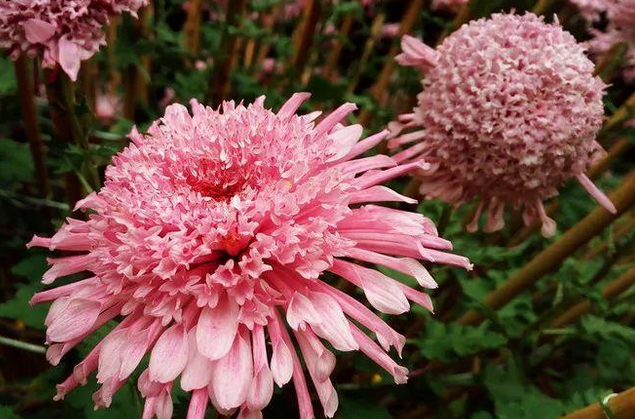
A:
(107, 107)
(509, 111)
(390, 30)
(169, 94)
(213, 233)
(448, 5)
(65, 32)
(620, 29)
(591, 10)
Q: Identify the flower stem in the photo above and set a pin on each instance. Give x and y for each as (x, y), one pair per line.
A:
(26, 92)
(22, 345)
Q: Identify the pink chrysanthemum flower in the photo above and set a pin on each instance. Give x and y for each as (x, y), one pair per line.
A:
(509, 111)
(65, 32)
(213, 228)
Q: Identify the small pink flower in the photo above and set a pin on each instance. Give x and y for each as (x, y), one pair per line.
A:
(65, 32)
(509, 112)
(107, 107)
(447, 5)
(217, 232)
(390, 30)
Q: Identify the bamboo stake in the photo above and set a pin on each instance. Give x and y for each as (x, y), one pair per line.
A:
(88, 76)
(114, 77)
(375, 31)
(622, 406)
(378, 91)
(269, 20)
(338, 47)
(550, 258)
(464, 15)
(303, 38)
(620, 114)
(219, 82)
(26, 90)
(192, 27)
(542, 6)
(609, 292)
(135, 83)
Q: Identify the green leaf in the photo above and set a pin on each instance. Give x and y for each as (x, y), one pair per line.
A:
(18, 308)
(7, 413)
(8, 83)
(356, 408)
(15, 162)
(447, 342)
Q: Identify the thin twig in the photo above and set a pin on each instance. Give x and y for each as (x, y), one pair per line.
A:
(22, 345)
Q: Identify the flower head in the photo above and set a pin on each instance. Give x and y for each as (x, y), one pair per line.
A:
(65, 32)
(509, 111)
(213, 233)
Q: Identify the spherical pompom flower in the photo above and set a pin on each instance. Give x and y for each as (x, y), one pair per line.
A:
(213, 233)
(65, 32)
(509, 111)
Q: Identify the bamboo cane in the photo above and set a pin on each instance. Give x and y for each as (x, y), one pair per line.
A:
(375, 30)
(135, 83)
(378, 91)
(26, 91)
(219, 81)
(609, 292)
(303, 38)
(338, 47)
(622, 406)
(192, 27)
(550, 258)
(542, 6)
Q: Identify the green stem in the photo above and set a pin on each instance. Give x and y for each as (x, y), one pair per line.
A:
(22, 345)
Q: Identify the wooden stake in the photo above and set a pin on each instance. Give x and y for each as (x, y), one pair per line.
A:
(338, 46)
(26, 93)
(551, 258)
(135, 83)
(375, 31)
(303, 38)
(542, 6)
(609, 292)
(192, 27)
(622, 406)
(219, 81)
(379, 89)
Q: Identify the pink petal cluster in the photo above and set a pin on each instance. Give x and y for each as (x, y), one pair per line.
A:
(65, 32)
(448, 5)
(216, 232)
(509, 111)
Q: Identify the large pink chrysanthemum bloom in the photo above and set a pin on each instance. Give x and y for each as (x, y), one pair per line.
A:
(211, 230)
(509, 111)
(65, 32)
